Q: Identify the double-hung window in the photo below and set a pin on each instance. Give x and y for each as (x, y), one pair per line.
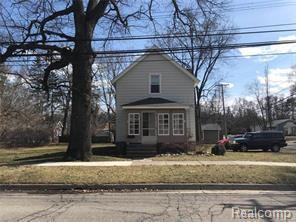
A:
(154, 82)
(163, 124)
(178, 124)
(134, 124)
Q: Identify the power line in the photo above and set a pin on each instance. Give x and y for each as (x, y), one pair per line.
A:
(230, 8)
(162, 36)
(249, 8)
(237, 7)
(170, 50)
(150, 60)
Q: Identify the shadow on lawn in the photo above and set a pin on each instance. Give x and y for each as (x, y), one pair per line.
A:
(106, 151)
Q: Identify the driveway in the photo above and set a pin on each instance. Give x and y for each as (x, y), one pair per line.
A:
(291, 148)
(147, 206)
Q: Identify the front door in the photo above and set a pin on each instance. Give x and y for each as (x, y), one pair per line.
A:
(149, 128)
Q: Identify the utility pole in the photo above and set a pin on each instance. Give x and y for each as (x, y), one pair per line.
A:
(222, 85)
(268, 105)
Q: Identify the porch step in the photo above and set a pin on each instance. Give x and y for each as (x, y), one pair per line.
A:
(141, 150)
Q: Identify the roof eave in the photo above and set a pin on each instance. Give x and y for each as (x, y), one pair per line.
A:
(155, 107)
(177, 65)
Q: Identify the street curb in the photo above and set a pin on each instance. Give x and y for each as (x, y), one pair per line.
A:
(137, 187)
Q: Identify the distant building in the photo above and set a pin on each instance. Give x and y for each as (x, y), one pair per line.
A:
(287, 126)
(211, 132)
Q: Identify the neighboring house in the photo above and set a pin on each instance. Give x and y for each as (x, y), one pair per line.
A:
(155, 102)
(211, 132)
(287, 126)
(256, 128)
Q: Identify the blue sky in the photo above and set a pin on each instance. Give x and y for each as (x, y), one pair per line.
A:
(243, 71)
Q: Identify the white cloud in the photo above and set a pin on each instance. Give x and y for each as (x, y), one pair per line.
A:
(284, 48)
(280, 80)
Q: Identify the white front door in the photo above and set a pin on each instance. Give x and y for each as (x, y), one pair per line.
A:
(149, 128)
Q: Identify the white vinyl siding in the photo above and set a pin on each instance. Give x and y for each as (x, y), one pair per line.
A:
(134, 124)
(163, 124)
(178, 124)
(175, 86)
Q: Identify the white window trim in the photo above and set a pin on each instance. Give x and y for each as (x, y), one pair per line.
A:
(177, 134)
(143, 122)
(129, 116)
(168, 124)
(149, 86)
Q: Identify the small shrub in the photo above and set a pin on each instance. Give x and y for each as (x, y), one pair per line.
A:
(173, 148)
(26, 137)
(218, 149)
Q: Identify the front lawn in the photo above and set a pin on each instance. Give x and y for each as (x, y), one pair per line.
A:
(107, 152)
(52, 153)
(147, 174)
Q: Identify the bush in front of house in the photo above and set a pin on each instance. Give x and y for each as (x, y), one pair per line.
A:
(26, 137)
(218, 149)
(121, 148)
(171, 148)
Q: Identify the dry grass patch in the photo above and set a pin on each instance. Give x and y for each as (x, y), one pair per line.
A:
(148, 174)
(102, 152)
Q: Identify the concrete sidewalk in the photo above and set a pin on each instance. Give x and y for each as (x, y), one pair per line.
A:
(146, 162)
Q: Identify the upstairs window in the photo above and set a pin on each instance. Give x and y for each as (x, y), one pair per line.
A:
(154, 83)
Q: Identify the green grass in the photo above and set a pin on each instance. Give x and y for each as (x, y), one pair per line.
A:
(232, 156)
(148, 174)
(102, 152)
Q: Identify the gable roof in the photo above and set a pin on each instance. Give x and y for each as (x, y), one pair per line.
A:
(153, 52)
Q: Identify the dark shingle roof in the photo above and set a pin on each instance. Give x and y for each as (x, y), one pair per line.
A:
(280, 121)
(149, 101)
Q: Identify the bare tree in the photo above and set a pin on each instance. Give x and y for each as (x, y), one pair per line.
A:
(202, 48)
(30, 25)
(256, 90)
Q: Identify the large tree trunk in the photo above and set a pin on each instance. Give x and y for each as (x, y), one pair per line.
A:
(80, 130)
(66, 111)
(197, 116)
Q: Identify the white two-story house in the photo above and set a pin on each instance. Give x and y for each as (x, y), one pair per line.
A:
(155, 102)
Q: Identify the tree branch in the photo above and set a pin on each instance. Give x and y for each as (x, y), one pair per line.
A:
(97, 11)
(53, 16)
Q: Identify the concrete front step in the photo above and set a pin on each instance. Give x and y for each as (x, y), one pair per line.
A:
(141, 150)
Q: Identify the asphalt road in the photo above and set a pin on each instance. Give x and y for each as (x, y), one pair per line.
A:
(149, 206)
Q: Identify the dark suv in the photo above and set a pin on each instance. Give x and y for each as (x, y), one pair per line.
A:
(265, 140)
